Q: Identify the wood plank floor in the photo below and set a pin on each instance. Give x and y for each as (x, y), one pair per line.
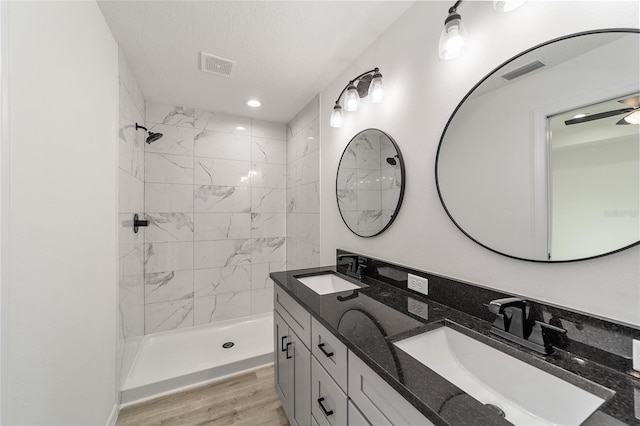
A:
(249, 399)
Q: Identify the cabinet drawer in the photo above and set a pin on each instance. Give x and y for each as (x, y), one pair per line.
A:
(330, 352)
(381, 403)
(355, 416)
(295, 315)
(328, 402)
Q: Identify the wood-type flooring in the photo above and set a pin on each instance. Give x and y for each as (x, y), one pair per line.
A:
(245, 400)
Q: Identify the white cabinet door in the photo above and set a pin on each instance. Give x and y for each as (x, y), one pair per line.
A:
(281, 362)
(355, 417)
(300, 365)
(328, 402)
(379, 402)
(292, 361)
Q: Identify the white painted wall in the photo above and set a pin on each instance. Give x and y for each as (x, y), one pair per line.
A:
(63, 253)
(420, 93)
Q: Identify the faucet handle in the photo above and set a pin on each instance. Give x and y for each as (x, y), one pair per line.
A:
(551, 327)
(498, 306)
(539, 337)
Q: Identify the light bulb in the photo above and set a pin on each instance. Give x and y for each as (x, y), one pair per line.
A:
(633, 118)
(336, 117)
(453, 38)
(375, 88)
(507, 5)
(352, 99)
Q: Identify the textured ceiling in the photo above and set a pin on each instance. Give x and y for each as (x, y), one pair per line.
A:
(286, 51)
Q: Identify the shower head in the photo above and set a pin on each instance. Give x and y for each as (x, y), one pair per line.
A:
(152, 137)
(392, 160)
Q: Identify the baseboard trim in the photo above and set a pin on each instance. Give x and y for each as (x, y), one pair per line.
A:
(114, 415)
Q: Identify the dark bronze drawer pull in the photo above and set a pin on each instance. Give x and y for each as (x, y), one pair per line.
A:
(321, 347)
(282, 348)
(326, 413)
(287, 350)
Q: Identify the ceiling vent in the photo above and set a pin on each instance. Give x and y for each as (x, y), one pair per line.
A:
(216, 65)
(525, 69)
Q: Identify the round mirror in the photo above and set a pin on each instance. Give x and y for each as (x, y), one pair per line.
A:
(370, 182)
(540, 160)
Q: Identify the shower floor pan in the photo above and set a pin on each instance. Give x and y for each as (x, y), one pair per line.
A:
(180, 359)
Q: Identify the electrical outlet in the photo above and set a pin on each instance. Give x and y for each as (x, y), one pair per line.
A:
(636, 355)
(419, 284)
(636, 398)
(418, 308)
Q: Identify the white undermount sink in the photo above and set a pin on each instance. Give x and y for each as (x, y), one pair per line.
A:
(327, 283)
(526, 394)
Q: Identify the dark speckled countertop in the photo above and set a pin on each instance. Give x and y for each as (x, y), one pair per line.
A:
(370, 322)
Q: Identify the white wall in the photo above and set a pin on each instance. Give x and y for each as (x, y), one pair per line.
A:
(420, 93)
(62, 294)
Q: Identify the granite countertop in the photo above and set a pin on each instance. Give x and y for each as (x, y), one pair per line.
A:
(377, 315)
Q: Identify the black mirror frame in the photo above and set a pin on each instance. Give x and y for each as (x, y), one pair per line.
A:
(402, 183)
(583, 33)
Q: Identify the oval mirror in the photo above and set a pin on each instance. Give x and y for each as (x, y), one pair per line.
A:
(540, 159)
(370, 182)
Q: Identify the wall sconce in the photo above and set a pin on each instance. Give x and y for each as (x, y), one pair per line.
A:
(366, 84)
(454, 35)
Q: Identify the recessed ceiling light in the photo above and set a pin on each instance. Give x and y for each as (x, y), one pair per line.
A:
(582, 114)
(310, 138)
(240, 128)
(253, 103)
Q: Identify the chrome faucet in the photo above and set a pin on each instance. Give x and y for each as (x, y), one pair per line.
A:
(514, 321)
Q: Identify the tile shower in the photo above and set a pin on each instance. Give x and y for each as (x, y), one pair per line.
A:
(303, 184)
(229, 200)
(130, 201)
(215, 196)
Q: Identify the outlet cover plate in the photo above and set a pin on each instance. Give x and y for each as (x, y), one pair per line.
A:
(418, 308)
(636, 355)
(419, 284)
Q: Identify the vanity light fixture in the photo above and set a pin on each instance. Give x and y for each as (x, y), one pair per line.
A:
(454, 35)
(453, 38)
(366, 84)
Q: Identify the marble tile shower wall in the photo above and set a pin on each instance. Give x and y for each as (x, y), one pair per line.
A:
(131, 200)
(215, 195)
(303, 183)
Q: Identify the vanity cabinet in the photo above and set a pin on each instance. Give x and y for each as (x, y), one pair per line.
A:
(330, 352)
(321, 383)
(328, 377)
(328, 401)
(292, 360)
(378, 403)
